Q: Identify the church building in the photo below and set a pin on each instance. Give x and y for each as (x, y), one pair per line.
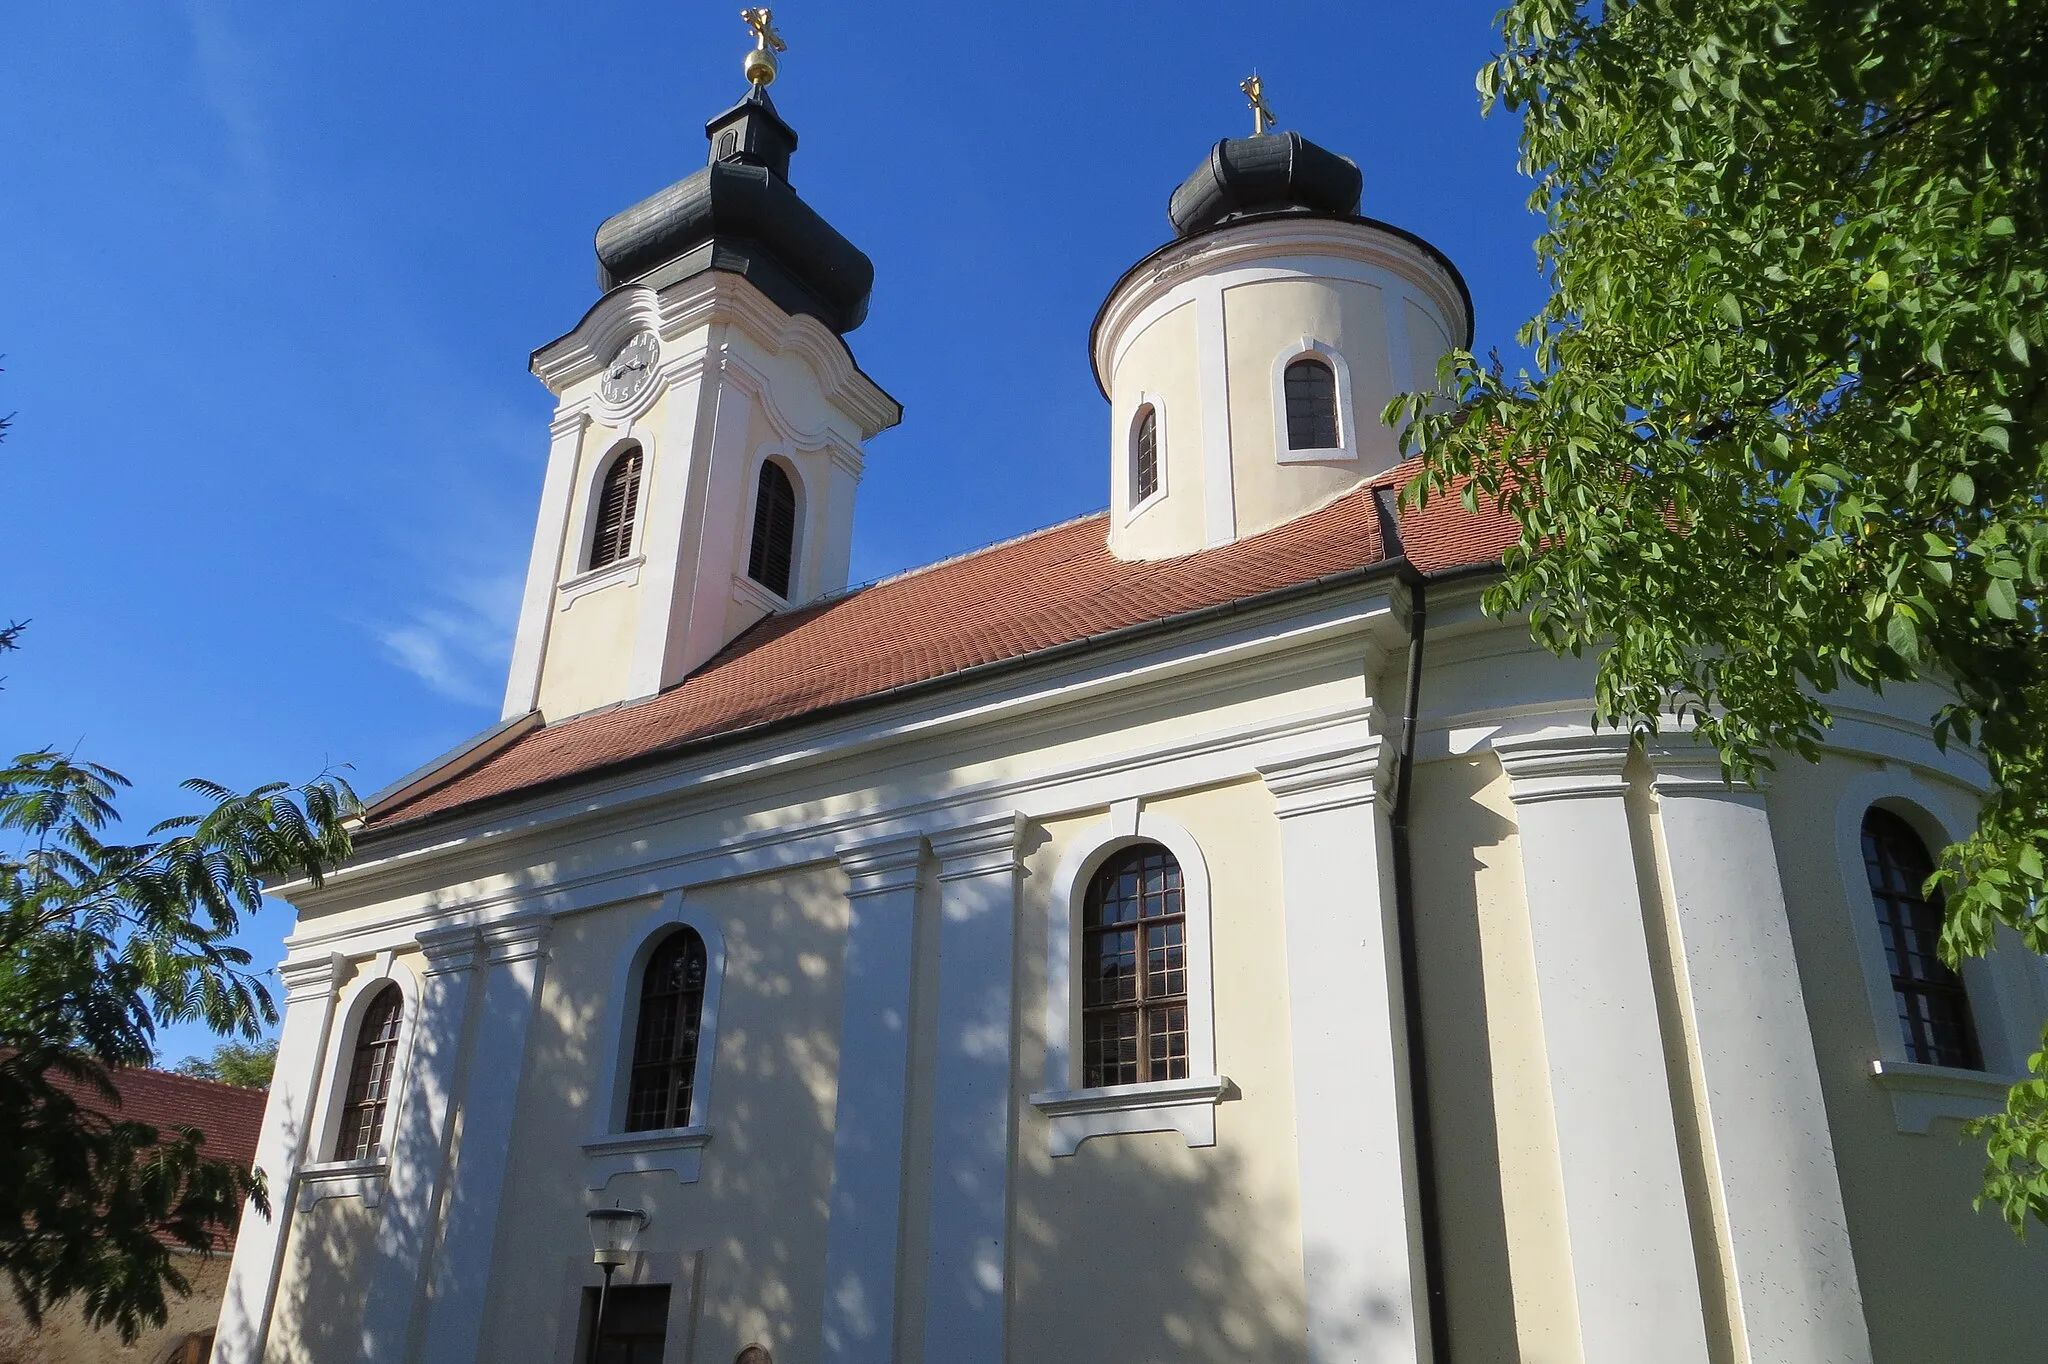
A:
(1190, 933)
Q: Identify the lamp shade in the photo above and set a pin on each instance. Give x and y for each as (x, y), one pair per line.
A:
(612, 1233)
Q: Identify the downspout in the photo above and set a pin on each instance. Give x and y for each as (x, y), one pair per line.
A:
(1421, 1124)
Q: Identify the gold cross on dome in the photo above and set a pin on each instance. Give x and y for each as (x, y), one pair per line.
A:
(762, 22)
(1262, 114)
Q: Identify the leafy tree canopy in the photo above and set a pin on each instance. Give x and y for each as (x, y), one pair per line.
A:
(100, 943)
(248, 1064)
(1787, 431)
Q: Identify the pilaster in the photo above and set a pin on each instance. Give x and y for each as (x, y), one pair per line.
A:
(1797, 1297)
(280, 1149)
(544, 569)
(515, 952)
(1360, 1222)
(861, 1247)
(1632, 1262)
(966, 1277)
(419, 1151)
(669, 541)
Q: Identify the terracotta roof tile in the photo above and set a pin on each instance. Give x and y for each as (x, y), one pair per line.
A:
(1009, 601)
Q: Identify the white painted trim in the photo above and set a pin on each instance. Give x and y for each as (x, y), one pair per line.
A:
(1347, 416)
(625, 571)
(354, 1002)
(1129, 462)
(1077, 1114)
(747, 592)
(2003, 1038)
(1212, 383)
(1921, 1093)
(600, 468)
(545, 561)
(676, 1148)
(1184, 1106)
(362, 1179)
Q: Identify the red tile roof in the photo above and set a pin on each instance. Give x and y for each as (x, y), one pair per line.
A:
(1009, 601)
(229, 1117)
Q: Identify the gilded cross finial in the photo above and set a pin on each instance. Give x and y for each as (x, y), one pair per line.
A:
(760, 64)
(1262, 114)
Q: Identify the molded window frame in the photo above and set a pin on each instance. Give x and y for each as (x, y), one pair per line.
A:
(583, 580)
(1310, 348)
(611, 1149)
(792, 470)
(324, 1177)
(1134, 505)
(2000, 997)
(1185, 1106)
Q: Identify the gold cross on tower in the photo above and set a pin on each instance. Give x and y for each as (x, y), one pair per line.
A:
(760, 64)
(1262, 115)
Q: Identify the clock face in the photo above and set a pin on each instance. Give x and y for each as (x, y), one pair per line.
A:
(631, 370)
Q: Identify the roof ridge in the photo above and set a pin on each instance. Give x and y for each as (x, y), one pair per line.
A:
(991, 546)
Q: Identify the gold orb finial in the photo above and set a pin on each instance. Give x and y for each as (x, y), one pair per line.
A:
(760, 64)
(1262, 114)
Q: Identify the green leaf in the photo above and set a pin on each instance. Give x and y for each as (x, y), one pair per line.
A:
(2002, 598)
(1997, 438)
(1903, 636)
(2001, 226)
(1878, 283)
(1962, 490)
(1728, 310)
(2016, 344)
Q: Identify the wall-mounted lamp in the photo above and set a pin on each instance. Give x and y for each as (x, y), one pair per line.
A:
(612, 1233)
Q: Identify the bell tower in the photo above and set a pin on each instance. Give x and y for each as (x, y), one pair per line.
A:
(709, 424)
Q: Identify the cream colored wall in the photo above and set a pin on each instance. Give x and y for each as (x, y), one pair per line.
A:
(1267, 319)
(1507, 1262)
(1162, 360)
(318, 1317)
(1137, 1248)
(591, 637)
(759, 1209)
(1941, 1284)
(1426, 345)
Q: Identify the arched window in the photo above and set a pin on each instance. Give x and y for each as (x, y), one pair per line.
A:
(774, 530)
(616, 504)
(370, 1077)
(1311, 387)
(665, 1042)
(1145, 455)
(1134, 989)
(1934, 1013)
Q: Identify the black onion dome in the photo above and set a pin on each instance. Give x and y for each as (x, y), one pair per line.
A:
(1271, 173)
(740, 215)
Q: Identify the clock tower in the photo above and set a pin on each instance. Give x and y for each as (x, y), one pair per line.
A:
(708, 432)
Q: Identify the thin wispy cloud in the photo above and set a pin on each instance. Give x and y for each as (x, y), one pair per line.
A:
(230, 72)
(458, 644)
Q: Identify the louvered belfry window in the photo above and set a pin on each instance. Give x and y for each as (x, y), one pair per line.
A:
(665, 1042)
(1934, 1013)
(1134, 983)
(616, 505)
(1311, 405)
(1145, 456)
(370, 1078)
(774, 530)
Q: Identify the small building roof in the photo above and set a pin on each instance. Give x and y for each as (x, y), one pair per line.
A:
(1002, 604)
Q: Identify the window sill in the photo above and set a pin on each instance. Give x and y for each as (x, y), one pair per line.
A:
(747, 592)
(679, 1150)
(627, 571)
(362, 1179)
(1184, 1106)
(1138, 509)
(1318, 454)
(1921, 1093)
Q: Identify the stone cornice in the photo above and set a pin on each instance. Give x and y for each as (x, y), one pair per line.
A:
(1556, 764)
(1333, 780)
(512, 940)
(450, 950)
(982, 848)
(882, 865)
(313, 978)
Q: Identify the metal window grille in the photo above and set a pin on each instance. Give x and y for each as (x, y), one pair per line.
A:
(1311, 405)
(665, 1042)
(1134, 993)
(1934, 1012)
(1145, 457)
(370, 1078)
(616, 505)
(774, 530)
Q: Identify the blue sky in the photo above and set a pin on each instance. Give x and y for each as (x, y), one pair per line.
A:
(270, 275)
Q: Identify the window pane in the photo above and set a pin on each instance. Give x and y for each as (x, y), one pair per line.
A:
(774, 547)
(1134, 970)
(370, 1077)
(665, 1039)
(1145, 457)
(1311, 394)
(634, 1329)
(1934, 1011)
(616, 507)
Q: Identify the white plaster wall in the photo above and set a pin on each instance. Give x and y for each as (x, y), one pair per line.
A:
(1161, 361)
